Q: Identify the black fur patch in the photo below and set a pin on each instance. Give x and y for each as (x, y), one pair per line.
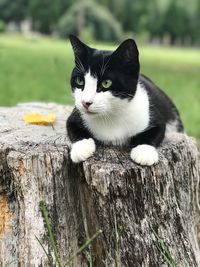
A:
(122, 67)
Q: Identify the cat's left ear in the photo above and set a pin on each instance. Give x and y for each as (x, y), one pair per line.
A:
(127, 52)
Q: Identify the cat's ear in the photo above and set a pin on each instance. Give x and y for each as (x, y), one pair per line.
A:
(80, 49)
(127, 52)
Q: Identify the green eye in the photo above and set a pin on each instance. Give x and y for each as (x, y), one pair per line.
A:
(106, 84)
(79, 81)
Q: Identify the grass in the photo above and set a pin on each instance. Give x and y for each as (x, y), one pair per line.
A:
(39, 69)
(117, 238)
(52, 241)
(160, 244)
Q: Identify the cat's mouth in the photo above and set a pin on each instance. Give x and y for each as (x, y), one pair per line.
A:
(89, 112)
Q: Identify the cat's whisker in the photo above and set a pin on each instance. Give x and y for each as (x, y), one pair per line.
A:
(79, 71)
(105, 66)
(79, 68)
(101, 71)
(80, 64)
(98, 110)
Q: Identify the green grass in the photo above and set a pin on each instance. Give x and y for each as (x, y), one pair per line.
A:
(52, 242)
(163, 249)
(39, 69)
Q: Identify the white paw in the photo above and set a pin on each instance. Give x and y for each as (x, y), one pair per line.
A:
(144, 155)
(82, 150)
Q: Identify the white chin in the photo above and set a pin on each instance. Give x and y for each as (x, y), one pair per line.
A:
(88, 112)
(91, 113)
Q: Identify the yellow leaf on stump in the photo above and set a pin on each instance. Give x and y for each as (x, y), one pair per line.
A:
(38, 119)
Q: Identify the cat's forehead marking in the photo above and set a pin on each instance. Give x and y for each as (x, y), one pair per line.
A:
(90, 87)
(90, 76)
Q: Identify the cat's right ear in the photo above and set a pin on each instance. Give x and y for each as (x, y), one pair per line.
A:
(127, 53)
(80, 49)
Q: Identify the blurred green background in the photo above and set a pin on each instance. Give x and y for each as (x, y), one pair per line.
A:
(36, 58)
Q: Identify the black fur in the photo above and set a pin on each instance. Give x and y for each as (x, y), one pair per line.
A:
(123, 69)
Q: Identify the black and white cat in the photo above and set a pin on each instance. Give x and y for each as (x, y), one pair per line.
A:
(116, 105)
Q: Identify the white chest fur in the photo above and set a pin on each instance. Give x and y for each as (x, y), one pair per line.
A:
(128, 119)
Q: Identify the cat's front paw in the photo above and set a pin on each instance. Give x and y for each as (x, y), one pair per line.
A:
(144, 155)
(82, 150)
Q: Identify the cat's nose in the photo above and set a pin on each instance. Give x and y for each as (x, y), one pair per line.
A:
(86, 104)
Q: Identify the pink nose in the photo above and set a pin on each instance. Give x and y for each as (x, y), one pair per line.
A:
(86, 104)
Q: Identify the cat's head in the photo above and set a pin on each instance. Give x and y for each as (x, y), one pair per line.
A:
(104, 81)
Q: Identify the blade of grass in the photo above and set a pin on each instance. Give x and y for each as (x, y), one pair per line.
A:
(86, 244)
(91, 261)
(50, 259)
(169, 263)
(50, 233)
(87, 235)
(117, 257)
(164, 250)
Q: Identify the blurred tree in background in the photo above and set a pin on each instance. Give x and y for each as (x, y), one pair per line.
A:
(13, 10)
(101, 25)
(45, 14)
(159, 20)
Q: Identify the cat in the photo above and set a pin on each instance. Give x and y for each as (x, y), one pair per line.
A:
(116, 105)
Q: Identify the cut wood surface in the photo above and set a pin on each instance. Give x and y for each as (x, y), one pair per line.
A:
(137, 208)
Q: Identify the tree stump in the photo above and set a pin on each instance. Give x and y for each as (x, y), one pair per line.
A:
(148, 215)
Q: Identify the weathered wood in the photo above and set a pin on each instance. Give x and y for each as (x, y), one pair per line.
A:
(107, 192)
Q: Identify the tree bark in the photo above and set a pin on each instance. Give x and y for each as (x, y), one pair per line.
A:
(135, 207)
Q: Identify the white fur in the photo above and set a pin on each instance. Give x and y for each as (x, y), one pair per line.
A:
(82, 150)
(89, 92)
(144, 155)
(114, 120)
(90, 88)
(171, 127)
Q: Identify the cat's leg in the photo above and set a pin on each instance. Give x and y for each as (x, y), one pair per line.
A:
(83, 145)
(145, 152)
